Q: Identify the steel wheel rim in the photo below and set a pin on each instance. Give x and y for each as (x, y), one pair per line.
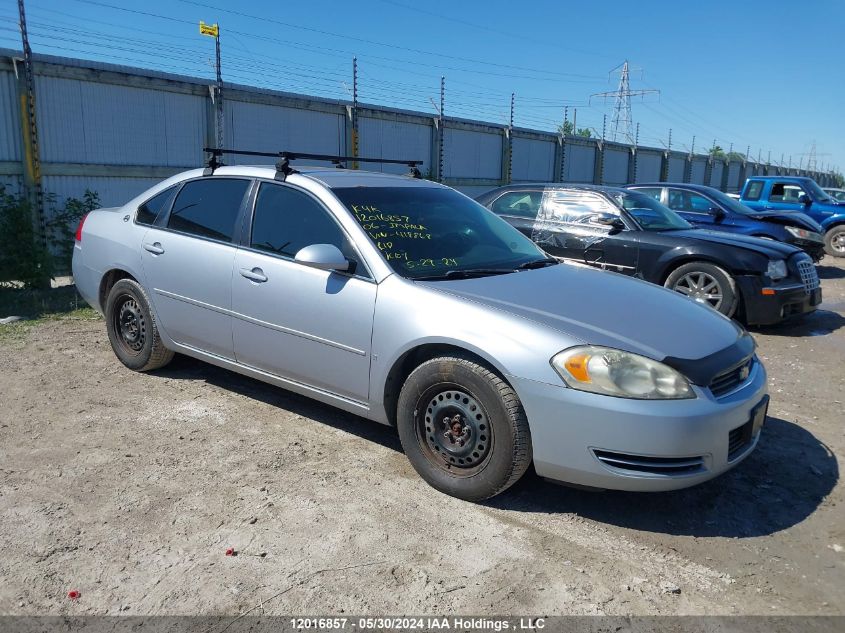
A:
(453, 430)
(701, 287)
(837, 242)
(130, 327)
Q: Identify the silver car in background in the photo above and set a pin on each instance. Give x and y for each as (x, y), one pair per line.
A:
(406, 302)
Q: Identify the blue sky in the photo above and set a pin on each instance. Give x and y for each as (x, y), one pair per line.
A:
(764, 74)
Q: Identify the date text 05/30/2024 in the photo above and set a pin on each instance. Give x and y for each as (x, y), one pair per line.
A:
(419, 623)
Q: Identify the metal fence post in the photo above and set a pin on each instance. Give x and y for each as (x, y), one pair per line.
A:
(29, 135)
(598, 163)
(560, 150)
(505, 171)
(436, 150)
(726, 174)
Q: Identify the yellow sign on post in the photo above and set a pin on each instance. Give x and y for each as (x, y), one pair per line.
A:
(209, 29)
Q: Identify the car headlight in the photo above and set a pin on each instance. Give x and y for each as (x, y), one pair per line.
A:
(776, 269)
(612, 372)
(804, 234)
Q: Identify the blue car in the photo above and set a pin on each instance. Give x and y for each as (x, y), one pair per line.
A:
(709, 208)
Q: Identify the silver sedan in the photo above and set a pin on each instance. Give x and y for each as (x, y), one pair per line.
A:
(408, 303)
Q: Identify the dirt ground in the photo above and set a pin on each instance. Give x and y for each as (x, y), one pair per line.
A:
(130, 488)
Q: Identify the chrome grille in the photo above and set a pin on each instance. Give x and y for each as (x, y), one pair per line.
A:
(809, 276)
(651, 465)
(730, 380)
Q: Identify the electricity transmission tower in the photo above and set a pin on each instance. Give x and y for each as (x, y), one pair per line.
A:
(812, 157)
(622, 123)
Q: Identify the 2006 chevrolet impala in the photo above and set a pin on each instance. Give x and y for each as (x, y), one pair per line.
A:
(408, 303)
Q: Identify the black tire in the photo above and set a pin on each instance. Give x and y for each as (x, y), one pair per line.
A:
(697, 279)
(483, 412)
(132, 329)
(834, 241)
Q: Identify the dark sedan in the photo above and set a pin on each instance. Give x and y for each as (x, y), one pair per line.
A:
(709, 208)
(759, 281)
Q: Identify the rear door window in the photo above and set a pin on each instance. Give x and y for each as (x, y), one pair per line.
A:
(209, 208)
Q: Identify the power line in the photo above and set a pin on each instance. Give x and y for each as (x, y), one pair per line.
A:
(266, 19)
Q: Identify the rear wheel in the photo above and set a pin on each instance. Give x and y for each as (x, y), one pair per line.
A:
(834, 241)
(707, 284)
(132, 329)
(463, 428)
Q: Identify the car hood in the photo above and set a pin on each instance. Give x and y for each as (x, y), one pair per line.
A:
(770, 248)
(603, 308)
(789, 218)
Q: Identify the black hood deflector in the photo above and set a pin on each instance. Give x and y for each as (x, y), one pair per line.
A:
(702, 371)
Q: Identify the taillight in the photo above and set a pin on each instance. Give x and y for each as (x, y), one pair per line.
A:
(78, 236)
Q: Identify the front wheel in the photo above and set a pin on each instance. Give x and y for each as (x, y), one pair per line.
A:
(834, 241)
(463, 428)
(707, 284)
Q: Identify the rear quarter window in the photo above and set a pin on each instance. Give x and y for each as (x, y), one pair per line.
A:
(150, 210)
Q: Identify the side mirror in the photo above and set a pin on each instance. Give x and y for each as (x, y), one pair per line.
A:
(805, 200)
(717, 212)
(608, 219)
(323, 257)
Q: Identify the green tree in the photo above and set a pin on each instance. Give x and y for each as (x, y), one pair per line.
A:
(61, 226)
(567, 128)
(717, 152)
(23, 257)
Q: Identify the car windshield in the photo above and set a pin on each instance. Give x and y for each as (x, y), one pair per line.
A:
(648, 212)
(434, 231)
(730, 203)
(816, 192)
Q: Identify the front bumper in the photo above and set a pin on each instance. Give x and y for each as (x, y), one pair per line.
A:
(571, 429)
(787, 299)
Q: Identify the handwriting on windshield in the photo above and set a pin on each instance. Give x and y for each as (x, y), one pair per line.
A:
(392, 231)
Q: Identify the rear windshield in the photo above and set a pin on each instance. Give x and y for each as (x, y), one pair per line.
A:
(425, 231)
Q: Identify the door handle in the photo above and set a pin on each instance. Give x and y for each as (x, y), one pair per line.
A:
(154, 248)
(256, 274)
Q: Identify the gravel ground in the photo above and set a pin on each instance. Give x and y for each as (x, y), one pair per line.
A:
(130, 488)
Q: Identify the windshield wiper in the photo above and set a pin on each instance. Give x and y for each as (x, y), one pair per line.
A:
(466, 274)
(538, 263)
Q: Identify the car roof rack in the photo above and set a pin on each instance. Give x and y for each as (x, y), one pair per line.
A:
(283, 168)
